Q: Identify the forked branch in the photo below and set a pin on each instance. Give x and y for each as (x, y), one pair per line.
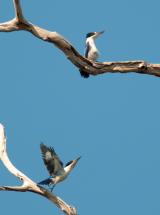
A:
(90, 67)
(18, 11)
(27, 183)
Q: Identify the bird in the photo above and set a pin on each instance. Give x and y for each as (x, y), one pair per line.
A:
(91, 51)
(55, 167)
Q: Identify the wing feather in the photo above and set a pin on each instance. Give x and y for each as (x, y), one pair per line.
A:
(51, 160)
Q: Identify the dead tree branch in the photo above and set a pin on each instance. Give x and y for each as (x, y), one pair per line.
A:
(27, 183)
(18, 11)
(90, 67)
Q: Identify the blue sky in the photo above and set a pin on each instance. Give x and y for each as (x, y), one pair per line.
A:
(111, 120)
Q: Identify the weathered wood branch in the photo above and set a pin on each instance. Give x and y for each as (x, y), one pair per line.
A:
(27, 183)
(90, 67)
(18, 11)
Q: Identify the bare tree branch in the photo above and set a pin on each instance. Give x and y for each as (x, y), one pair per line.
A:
(90, 67)
(28, 184)
(18, 11)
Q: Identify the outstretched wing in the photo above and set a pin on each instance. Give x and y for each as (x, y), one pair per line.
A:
(51, 160)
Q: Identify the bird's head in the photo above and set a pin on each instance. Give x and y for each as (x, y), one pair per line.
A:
(71, 164)
(94, 34)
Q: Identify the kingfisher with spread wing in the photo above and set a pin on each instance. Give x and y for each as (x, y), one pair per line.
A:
(55, 166)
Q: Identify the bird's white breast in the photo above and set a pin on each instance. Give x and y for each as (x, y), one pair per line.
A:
(93, 53)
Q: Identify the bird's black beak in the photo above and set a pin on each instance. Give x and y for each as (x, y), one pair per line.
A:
(78, 158)
(74, 162)
(101, 32)
(98, 33)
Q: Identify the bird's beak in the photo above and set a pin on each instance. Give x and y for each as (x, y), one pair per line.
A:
(75, 161)
(99, 33)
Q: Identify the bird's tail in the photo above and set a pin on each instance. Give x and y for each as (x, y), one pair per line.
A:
(84, 74)
(45, 182)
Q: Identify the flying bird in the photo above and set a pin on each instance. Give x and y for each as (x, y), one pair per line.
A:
(91, 51)
(55, 166)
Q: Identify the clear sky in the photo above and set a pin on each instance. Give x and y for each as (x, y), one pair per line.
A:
(111, 120)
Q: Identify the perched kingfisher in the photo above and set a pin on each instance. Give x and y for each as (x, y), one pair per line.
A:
(55, 166)
(91, 51)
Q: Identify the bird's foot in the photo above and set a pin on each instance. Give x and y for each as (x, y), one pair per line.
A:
(51, 187)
